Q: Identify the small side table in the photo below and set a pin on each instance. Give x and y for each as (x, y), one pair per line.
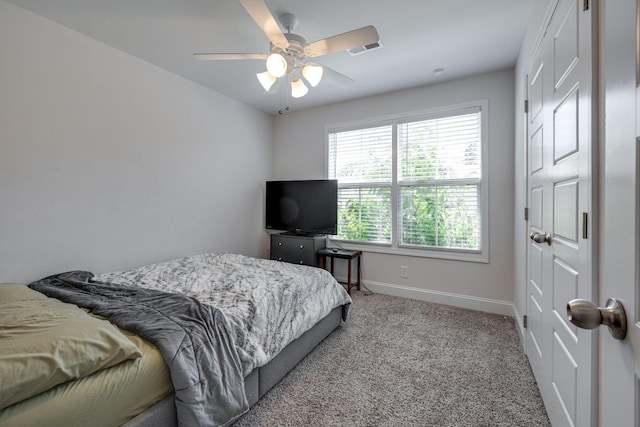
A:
(343, 254)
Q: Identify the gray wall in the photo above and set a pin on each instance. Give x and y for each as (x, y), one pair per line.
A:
(299, 153)
(108, 162)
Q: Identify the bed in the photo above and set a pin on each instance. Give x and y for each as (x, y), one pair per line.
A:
(161, 361)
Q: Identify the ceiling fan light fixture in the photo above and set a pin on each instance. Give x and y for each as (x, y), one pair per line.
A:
(312, 73)
(298, 88)
(289, 53)
(276, 65)
(266, 79)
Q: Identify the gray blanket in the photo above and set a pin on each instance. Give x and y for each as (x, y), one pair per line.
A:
(267, 304)
(192, 337)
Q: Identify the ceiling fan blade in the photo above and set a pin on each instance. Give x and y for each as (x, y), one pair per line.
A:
(265, 20)
(360, 37)
(337, 79)
(229, 56)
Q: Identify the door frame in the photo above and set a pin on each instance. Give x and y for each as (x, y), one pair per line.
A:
(619, 366)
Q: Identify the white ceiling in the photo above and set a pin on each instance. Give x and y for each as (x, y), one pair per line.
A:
(464, 37)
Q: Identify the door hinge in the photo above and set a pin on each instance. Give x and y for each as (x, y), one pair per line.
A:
(524, 321)
(526, 214)
(585, 223)
(526, 105)
(585, 5)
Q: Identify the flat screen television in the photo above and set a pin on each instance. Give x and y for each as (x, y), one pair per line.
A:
(302, 207)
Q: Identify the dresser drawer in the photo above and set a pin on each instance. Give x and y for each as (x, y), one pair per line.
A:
(296, 249)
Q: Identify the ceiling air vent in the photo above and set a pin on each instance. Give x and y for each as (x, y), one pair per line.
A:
(366, 48)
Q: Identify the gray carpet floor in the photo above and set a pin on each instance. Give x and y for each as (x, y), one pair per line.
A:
(401, 362)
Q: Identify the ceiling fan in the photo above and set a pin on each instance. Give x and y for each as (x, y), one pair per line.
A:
(290, 53)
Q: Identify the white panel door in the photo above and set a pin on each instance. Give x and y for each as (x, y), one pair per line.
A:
(619, 251)
(560, 202)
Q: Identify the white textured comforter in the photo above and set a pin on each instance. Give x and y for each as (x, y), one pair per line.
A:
(266, 303)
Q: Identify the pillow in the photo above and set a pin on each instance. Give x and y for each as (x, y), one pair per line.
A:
(45, 342)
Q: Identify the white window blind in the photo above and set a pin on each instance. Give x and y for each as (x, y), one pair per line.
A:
(362, 155)
(412, 183)
(361, 160)
(439, 181)
(440, 149)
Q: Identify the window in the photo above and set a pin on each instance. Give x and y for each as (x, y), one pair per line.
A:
(413, 184)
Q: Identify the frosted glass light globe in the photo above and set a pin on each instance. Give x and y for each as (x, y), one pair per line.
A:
(276, 65)
(266, 80)
(312, 73)
(298, 88)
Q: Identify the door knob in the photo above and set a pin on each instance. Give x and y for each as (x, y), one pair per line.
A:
(585, 314)
(540, 237)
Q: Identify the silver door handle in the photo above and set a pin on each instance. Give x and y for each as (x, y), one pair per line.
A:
(585, 314)
(540, 237)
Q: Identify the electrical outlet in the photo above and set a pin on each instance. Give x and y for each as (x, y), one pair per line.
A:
(404, 271)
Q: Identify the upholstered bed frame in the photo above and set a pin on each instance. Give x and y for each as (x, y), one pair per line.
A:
(260, 380)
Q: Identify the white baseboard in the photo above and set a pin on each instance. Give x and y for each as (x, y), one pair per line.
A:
(504, 308)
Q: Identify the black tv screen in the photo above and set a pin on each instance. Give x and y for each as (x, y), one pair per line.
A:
(302, 207)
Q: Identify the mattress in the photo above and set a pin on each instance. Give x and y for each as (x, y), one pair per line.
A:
(267, 304)
(109, 397)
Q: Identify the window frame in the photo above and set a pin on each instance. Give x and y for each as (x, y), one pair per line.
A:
(482, 254)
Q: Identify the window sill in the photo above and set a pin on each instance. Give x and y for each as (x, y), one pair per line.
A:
(381, 248)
